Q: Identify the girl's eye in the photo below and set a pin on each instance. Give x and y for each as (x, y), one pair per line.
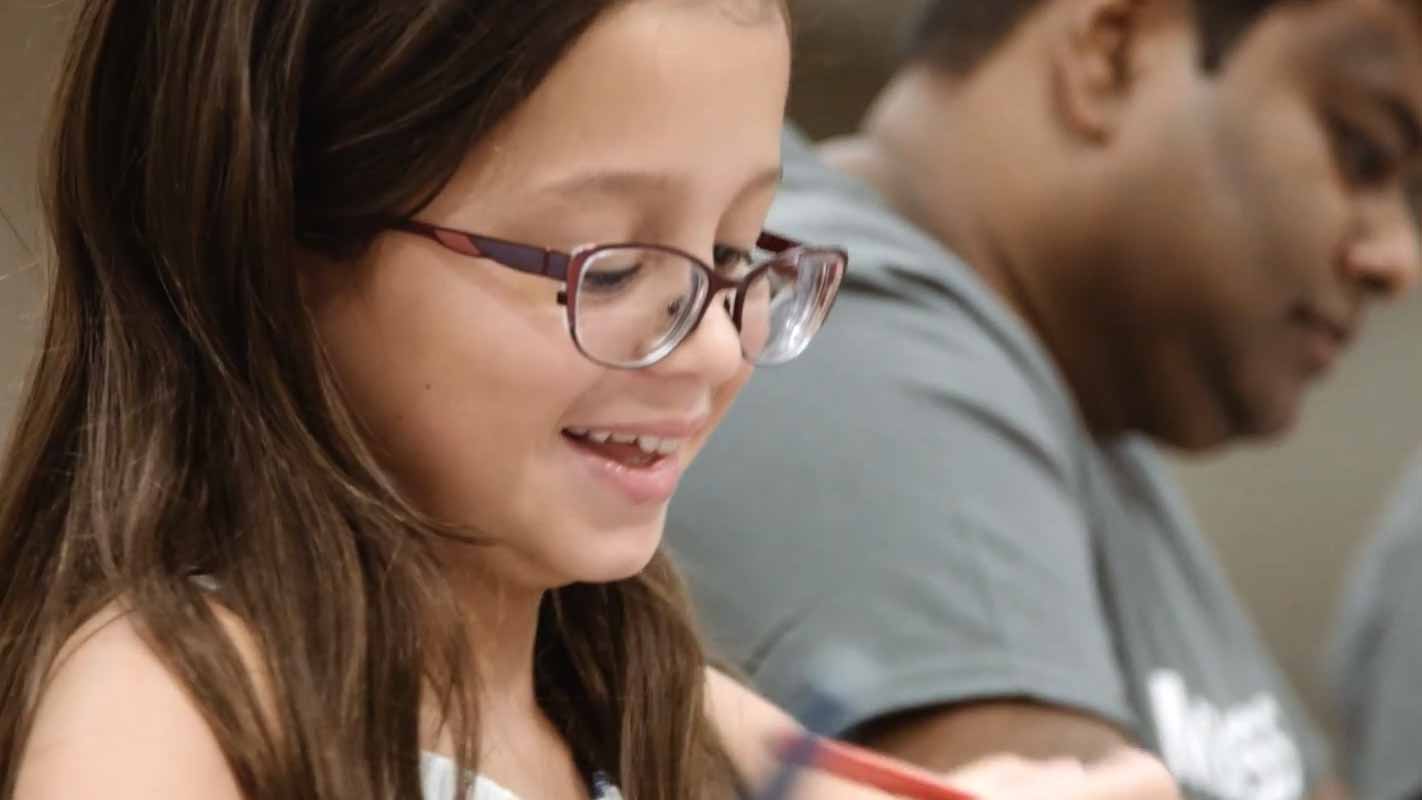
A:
(730, 260)
(1362, 159)
(610, 280)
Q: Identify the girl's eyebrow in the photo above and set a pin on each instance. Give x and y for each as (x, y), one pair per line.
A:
(625, 182)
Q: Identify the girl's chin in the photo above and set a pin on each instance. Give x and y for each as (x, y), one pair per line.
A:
(612, 563)
(612, 572)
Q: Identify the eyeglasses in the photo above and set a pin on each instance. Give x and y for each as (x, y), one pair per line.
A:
(630, 305)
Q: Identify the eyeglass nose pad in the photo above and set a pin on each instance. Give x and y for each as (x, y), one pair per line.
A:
(563, 298)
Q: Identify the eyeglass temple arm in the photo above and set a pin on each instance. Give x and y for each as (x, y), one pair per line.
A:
(522, 257)
(775, 243)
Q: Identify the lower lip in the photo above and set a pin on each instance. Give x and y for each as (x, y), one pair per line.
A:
(654, 483)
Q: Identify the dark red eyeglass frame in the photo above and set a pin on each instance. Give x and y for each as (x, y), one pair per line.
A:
(564, 267)
(556, 264)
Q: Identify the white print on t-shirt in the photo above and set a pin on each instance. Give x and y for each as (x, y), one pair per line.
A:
(1240, 753)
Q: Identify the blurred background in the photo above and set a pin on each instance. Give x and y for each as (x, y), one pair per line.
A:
(1286, 519)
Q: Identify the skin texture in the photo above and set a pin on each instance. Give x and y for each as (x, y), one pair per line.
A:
(1228, 234)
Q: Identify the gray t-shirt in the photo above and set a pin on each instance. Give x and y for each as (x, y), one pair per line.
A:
(919, 487)
(1375, 664)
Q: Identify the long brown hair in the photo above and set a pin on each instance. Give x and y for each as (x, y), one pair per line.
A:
(180, 420)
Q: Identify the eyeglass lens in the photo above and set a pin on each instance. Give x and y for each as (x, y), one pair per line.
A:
(634, 305)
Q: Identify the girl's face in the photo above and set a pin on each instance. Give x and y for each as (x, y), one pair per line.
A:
(661, 125)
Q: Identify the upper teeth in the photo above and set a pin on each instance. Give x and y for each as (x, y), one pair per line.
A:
(648, 444)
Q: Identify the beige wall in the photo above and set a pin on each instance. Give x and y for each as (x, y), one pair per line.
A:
(29, 52)
(17, 299)
(1285, 519)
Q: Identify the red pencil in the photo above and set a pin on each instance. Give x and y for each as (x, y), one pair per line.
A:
(857, 765)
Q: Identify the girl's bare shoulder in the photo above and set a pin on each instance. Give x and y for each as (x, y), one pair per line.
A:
(113, 722)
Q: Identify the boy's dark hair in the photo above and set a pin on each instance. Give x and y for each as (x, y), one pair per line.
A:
(956, 35)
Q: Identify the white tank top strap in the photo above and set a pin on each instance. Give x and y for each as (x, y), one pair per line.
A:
(437, 779)
(437, 782)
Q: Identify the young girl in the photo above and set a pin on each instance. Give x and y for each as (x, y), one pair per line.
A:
(343, 470)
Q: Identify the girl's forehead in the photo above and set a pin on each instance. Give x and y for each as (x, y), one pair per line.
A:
(658, 98)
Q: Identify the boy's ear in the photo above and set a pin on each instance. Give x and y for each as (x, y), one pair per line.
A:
(1091, 63)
